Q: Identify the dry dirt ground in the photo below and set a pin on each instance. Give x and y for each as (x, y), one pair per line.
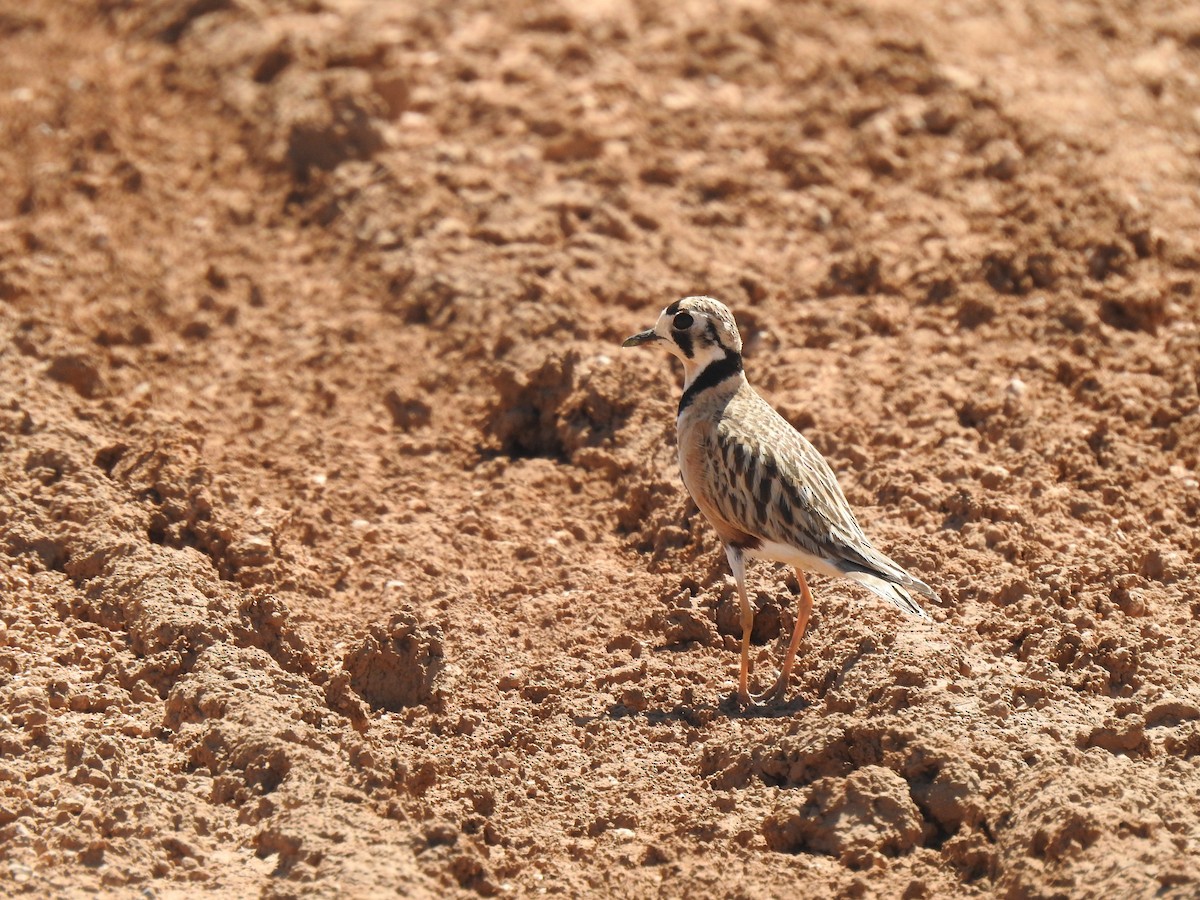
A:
(344, 552)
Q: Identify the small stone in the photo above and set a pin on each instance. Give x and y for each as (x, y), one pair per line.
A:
(999, 710)
(507, 761)
(994, 477)
(634, 698)
(512, 680)
(252, 550)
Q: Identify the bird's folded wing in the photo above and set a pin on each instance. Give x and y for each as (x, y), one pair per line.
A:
(782, 490)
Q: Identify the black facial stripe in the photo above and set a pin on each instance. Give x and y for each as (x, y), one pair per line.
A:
(716, 372)
(684, 340)
(673, 308)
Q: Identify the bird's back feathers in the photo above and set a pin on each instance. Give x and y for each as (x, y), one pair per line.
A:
(761, 483)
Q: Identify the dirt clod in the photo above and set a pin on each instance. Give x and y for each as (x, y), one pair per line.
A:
(395, 666)
(854, 819)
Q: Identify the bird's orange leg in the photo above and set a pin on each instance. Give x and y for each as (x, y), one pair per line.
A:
(803, 614)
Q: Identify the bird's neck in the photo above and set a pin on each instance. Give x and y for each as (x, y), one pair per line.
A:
(719, 367)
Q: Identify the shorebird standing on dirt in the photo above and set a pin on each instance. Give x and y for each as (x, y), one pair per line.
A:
(766, 490)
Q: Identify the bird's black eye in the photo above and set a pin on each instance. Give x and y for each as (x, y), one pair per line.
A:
(683, 321)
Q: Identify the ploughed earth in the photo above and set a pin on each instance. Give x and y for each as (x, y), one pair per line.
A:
(344, 551)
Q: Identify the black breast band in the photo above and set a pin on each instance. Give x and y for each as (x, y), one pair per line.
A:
(714, 373)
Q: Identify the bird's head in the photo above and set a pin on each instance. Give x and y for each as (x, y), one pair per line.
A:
(699, 330)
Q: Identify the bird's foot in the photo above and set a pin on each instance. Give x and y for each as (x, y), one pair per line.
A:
(746, 700)
(775, 693)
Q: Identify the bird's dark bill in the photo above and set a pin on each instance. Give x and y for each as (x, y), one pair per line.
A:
(642, 337)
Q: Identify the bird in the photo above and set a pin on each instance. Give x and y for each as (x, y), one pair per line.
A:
(765, 489)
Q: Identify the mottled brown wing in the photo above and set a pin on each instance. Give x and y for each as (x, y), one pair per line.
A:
(773, 484)
(754, 476)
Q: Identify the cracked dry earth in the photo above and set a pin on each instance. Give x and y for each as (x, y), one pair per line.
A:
(344, 552)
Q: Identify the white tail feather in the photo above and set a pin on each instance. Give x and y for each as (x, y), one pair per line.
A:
(892, 593)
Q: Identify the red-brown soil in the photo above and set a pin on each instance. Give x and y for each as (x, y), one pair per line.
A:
(344, 551)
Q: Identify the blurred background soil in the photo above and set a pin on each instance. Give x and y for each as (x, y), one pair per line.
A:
(344, 552)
